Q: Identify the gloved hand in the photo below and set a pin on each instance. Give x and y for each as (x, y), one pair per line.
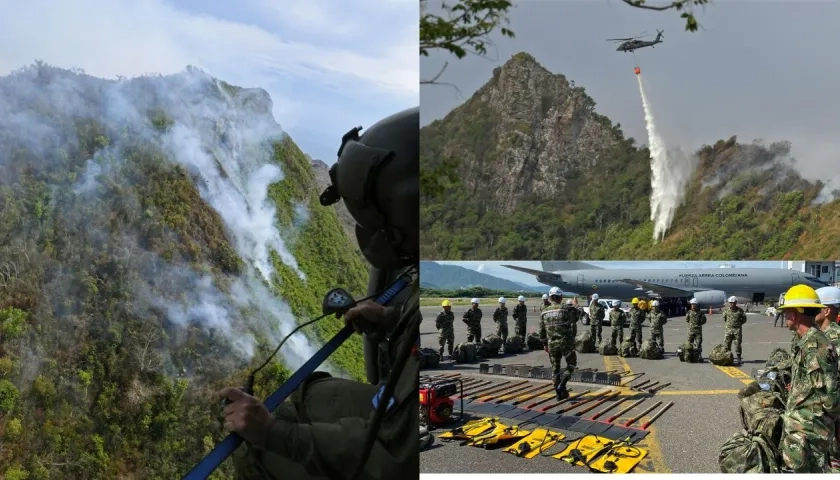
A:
(370, 314)
(246, 416)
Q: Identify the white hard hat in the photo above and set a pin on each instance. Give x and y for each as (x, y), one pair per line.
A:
(569, 302)
(555, 292)
(654, 303)
(474, 300)
(545, 296)
(502, 300)
(829, 296)
(616, 303)
(693, 301)
(732, 299)
(521, 298)
(595, 296)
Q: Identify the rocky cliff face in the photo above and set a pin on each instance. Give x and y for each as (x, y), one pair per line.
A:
(523, 135)
(528, 145)
(322, 176)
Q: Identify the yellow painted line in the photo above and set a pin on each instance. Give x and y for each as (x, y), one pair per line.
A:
(697, 392)
(736, 373)
(655, 461)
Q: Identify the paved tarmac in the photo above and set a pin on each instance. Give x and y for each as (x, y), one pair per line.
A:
(686, 439)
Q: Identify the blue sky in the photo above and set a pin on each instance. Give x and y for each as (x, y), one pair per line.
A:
(497, 270)
(329, 65)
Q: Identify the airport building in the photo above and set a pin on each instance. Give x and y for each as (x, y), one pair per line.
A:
(826, 271)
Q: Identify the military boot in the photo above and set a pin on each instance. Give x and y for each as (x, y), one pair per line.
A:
(440, 352)
(738, 360)
(560, 390)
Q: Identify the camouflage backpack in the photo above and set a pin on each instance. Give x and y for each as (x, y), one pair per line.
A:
(608, 348)
(687, 353)
(651, 351)
(721, 356)
(465, 352)
(429, 358)
(746, 453)
(628, 349)
(490, 346)
(534, 342)
(585, 343)
(761, 414)
(777, 356)
(514, 344)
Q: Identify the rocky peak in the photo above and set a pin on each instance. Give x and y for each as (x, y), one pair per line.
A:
(523, 135)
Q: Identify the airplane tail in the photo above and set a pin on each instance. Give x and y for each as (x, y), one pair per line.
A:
(567, 265)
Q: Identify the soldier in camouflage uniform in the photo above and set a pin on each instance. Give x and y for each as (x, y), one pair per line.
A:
(617, 320)
(557, 335)
(813, 402)
(500, 316)
(596, 317)
(637, 316)
(472, 318)
(545, 303)
(658, 319)
(827, 323)
(520, 319)
(734, 318)
(695, 319)
(445, 324)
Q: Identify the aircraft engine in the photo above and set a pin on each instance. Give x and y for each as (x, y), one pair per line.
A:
(710, 298)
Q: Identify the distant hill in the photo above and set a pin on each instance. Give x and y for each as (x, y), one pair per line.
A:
(453, 277)
(541, 174)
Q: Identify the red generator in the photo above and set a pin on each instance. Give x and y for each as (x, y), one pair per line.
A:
(436, 404)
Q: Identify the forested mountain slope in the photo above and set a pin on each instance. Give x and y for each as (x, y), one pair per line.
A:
(542, 175)
(158, 237)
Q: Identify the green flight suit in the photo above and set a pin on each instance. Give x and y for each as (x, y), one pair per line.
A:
(320, 432)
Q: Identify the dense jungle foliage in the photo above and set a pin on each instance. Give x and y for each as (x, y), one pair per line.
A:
(92, 386)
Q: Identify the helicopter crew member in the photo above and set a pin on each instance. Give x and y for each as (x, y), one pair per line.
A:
(472, 318)
(596, 318)
(617, 320)
(556, 333)
(520, 318)
(695, 319)
(323, 432)
(813, 400)
(445, 324)
(637, 316)
(500, 316)
(734, 318)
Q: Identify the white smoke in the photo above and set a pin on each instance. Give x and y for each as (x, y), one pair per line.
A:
(226, 143)
(671, 171)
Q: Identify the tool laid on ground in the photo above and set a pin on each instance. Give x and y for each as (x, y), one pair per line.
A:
(645, 412)
(602, 455)
(474, 388)
(571, 397)
(607, 409)
(470, 429)
(552, 405)
(504, 392)
(646, 387)
(601, 378)
(657, 415)
(598, 403)
(537, 442)
(575, 405)
(626, 409)
(645, 382)
(526, 391)
(543, 391)
(496, 437)
(436, 404)
(653, 391)
(635, 376)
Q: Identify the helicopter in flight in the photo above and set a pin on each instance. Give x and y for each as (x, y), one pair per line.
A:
(633, 43)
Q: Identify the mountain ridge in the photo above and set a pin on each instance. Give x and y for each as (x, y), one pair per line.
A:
(540, 174)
